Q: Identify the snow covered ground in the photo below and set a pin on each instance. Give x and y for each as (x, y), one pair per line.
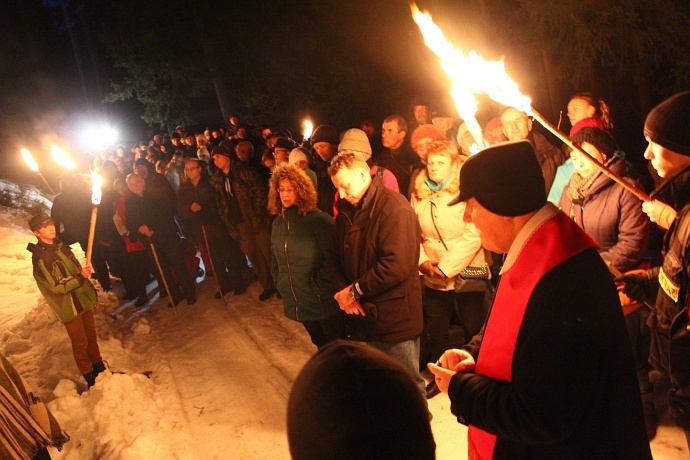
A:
(210, 382)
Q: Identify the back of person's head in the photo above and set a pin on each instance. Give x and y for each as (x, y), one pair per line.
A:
(352, 401)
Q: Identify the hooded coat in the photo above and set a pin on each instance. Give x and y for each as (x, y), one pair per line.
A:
(299, 244)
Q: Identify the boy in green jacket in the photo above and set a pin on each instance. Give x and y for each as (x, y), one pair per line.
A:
(68, 291)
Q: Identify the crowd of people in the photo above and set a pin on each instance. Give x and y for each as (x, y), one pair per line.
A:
(395, 240)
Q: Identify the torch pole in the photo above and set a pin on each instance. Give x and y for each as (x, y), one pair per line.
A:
(160, 270)
(52, 192)
(92, 232)
(615, 177)
(210, 260)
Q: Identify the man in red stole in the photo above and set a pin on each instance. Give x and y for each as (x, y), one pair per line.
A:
(551, 374)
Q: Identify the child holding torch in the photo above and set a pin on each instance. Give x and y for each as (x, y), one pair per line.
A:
(68, 291)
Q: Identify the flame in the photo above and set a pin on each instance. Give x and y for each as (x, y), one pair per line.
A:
(308, 129)
(62, 158)
(97, 181)
(29, 160)
(470, 75)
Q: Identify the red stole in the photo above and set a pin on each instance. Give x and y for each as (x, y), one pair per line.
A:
(545, 249)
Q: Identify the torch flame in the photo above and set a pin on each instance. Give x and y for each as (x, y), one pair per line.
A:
(62, 158)
(29, 160)
(97, 181)
(470, 75)
(308, 129)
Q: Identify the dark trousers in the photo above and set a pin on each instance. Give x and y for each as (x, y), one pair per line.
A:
(636, 325)
(173, 267)
(140, 265)
(324, 331)
(471, 308)
(225, 254)
(257, 246)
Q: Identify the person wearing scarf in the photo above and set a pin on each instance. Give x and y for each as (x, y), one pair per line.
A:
(448, 246)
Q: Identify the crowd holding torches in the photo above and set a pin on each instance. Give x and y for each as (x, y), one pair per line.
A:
(471, 75)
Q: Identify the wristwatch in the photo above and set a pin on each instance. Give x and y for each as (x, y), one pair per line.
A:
(351, 293)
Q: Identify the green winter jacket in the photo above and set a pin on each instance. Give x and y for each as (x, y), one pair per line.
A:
(299, 245)
(58, 275)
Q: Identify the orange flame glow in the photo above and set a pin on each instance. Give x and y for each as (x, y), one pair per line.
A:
(62, 158)
(470, 75)
(29, 160)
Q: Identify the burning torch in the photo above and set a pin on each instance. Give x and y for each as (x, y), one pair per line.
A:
(490, 77)
(308, 130)
(62, 158)
(96, 200)
(31, 163)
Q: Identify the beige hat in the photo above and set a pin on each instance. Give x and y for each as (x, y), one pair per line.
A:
(356, 140)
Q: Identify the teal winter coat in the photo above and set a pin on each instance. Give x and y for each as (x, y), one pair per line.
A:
(299, 244)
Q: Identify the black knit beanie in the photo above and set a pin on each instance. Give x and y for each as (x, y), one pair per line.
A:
(325, 133)
(352, 401)
(667, 124)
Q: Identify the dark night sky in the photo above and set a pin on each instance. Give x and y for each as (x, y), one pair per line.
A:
(372, 43)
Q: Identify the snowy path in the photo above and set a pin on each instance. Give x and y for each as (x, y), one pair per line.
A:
(233, 394)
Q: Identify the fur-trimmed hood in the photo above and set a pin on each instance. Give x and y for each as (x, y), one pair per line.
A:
(422, 191)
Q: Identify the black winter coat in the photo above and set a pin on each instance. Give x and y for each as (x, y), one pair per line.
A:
(379, 249)
(584, 407)
(670, 347)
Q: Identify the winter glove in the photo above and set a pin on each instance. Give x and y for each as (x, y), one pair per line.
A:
(641, 287)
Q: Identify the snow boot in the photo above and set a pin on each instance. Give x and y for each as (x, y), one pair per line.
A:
(90, 379)
(651, 419)
(97, 368)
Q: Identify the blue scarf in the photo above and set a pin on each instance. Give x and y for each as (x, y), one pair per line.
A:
(437, 187)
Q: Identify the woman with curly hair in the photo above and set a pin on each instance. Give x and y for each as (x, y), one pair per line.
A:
(300, 236)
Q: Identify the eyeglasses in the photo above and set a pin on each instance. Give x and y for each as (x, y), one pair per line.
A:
(192, 169)
(286, 190)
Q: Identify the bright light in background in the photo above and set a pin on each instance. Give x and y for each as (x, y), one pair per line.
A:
(97, 136)
(62, 158)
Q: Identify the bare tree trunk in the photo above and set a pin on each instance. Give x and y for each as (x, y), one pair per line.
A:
(552, 107)
(218, 84)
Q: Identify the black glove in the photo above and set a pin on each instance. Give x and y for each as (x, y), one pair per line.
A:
(641, 287)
